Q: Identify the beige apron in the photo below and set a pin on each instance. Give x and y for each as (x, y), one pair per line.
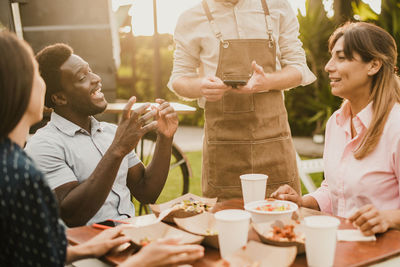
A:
(246, 133)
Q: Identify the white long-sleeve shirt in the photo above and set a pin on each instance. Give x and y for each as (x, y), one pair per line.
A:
(197, 47)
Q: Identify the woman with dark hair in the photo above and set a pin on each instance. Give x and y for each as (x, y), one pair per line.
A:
(362, 149)
(31, 234)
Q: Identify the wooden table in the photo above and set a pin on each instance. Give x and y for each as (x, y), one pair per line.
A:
(352, 254)
(117, 108)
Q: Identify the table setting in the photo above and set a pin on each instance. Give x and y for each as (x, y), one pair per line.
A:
(252, 232)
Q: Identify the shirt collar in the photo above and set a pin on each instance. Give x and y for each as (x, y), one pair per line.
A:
(366, 114)
(344, 114)
(70, 128)
(96, 125)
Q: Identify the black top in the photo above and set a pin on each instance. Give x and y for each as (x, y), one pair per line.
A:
(30, 233)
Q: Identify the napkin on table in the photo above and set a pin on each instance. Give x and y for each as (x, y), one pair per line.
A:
(353, 235)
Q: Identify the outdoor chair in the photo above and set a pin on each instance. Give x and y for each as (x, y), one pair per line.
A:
(306, 167)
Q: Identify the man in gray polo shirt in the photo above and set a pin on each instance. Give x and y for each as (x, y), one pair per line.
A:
(89, 164)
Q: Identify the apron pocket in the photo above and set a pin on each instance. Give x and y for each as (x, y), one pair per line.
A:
(237, 103)
(227, 161)
(275, 157)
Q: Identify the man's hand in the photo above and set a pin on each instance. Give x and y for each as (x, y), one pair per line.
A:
(167, 119)
(285, 192)
(166, 252)
(213, 89)
(257, 83)
(370, 220)
(132, 127)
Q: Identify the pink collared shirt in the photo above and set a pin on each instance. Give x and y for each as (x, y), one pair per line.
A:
(350, 183)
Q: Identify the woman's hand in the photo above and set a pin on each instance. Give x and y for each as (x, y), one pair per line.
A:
(285, 192)
(106, 241)
(370, 220)
(98, 245)
(166, 252)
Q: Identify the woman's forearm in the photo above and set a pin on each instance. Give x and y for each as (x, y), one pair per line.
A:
(310, 202)
(78, 252)
(393, 217)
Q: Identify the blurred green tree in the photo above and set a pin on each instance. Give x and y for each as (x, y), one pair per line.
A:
(389, 18)
(310, 107)
(139, 63)
(136, 73)
(343, 10)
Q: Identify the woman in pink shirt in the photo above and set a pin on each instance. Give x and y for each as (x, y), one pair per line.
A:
(362, 149)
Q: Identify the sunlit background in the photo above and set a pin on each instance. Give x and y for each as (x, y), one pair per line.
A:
(168, 12)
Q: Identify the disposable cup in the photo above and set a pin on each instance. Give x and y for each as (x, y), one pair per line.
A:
(253, 186)
(233, 228)
(320, 234)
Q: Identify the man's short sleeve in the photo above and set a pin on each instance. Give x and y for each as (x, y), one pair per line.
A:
(133, 159)
(49, 156)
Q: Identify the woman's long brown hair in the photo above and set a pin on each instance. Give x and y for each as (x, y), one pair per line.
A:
(16, 78)
(372, 42)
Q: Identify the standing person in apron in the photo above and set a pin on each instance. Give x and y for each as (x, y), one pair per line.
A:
(246, 127)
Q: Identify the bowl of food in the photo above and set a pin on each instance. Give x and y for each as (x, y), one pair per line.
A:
(270, 209)
(282, 233)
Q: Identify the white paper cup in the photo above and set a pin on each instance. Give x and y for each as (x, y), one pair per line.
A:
(233, 228)
(253, 186)
(320, 234)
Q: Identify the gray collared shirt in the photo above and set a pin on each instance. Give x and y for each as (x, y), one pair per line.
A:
(65, 153)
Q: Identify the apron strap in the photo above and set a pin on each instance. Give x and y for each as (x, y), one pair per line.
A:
(268, 22)
(265, 7)
(210, 18)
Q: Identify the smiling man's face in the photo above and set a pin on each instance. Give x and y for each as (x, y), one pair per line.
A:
(82, 87)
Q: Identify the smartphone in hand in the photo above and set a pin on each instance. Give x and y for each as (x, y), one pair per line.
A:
(235, 83)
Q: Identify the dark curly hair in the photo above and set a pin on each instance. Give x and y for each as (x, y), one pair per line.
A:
(50, 60)
(16, 79)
